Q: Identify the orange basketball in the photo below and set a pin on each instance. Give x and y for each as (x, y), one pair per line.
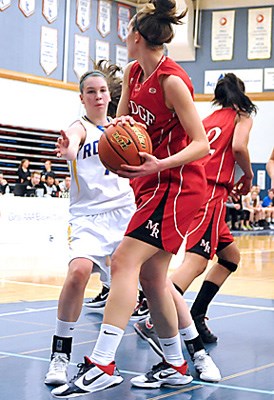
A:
(120, 144)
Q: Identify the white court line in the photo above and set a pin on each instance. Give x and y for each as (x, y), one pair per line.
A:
(219, 385)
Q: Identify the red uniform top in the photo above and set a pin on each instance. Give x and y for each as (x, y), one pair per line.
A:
(220, 127)
(174, 194)
(209, 228)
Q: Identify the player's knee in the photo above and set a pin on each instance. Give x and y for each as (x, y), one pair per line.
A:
(231, 266)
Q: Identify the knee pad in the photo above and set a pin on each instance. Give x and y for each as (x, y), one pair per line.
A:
(228, 264)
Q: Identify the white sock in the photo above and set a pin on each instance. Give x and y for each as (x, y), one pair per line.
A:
(107, 343)
(189, 333)
(172, 350)
(64, 328)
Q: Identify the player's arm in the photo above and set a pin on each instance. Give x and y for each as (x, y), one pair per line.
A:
(240, 150)
(69, 142)
(178, 98)
(270, 168)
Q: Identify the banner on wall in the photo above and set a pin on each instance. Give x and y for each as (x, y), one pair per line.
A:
(269, 79)
(83, 13)
(27, 7)
(252, 78)
(123, 20)
(81, 55)
(222, 36)
(4, 4)
(104, 17)
(48, 49)
(50, 10)
(259, 33)
(102, 50)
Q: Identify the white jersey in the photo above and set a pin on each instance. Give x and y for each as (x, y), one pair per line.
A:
(94, 189)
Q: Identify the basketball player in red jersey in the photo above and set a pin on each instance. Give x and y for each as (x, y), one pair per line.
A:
(228, 130)
(169, 188)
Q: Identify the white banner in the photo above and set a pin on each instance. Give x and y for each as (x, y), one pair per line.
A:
(81, 55)
(102, 50)
(259, 33)
(48, 49)
(50, 10)
(269, 79)
(104, 17)
(222, 38)
(252, 78)
(83, 14)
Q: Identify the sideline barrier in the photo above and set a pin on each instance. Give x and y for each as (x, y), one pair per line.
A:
(33, 236)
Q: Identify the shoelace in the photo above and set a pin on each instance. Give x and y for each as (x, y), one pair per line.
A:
(156, 368)
(83, 367)
(58, 362)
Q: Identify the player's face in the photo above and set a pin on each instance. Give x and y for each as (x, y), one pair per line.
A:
(95, 93)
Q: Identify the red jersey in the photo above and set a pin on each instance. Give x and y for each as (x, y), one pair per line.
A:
(220, 127)
(166, 201)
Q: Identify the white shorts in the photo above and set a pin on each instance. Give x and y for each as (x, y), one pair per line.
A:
(95, 237)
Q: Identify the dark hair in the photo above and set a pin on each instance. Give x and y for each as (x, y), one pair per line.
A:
(109, 72)
(230, 92)
(154, 21)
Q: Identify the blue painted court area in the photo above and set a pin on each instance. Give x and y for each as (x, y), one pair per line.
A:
(244, 352)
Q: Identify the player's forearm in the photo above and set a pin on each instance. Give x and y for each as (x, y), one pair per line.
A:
(243, 160)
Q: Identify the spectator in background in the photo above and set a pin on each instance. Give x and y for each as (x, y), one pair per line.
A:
(65, 187)
(23, 171)
(51, 188)
(4, 186)
(270, 168)
(234, 213)
(32, 187)
(267, 205)
(46, 170)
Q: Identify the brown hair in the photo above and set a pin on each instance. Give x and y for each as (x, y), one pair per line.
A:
(154, 21)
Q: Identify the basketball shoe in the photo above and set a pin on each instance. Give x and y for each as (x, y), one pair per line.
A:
(202, 361)
(141, 309)
(57, 373)
(145, 329)
(100, 300)
(205, 333)
(163, 374)
(90, 378)
(205, 366)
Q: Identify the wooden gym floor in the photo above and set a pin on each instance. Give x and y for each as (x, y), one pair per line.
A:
(242, 315)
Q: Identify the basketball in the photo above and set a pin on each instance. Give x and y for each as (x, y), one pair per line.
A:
(120, 144)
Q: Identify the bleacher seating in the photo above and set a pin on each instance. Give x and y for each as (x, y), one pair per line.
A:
(37, 145)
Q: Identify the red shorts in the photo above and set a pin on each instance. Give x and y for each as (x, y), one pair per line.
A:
(166, 205)
(209, 232)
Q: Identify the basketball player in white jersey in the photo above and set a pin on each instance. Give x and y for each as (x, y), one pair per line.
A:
(101, 205)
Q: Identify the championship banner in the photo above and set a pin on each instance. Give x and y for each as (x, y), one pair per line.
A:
(4, 4)
(123, 20)
(27, 7)
(222, 37)
(104, 17)
(48, 49)
(83, 14)
(101, 50)
(81, 55)
(50, 10)
(259, 33)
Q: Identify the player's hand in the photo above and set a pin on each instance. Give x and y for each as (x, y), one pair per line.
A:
(62, 145)
(243, 186)
(151, 165)
(124, 120)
